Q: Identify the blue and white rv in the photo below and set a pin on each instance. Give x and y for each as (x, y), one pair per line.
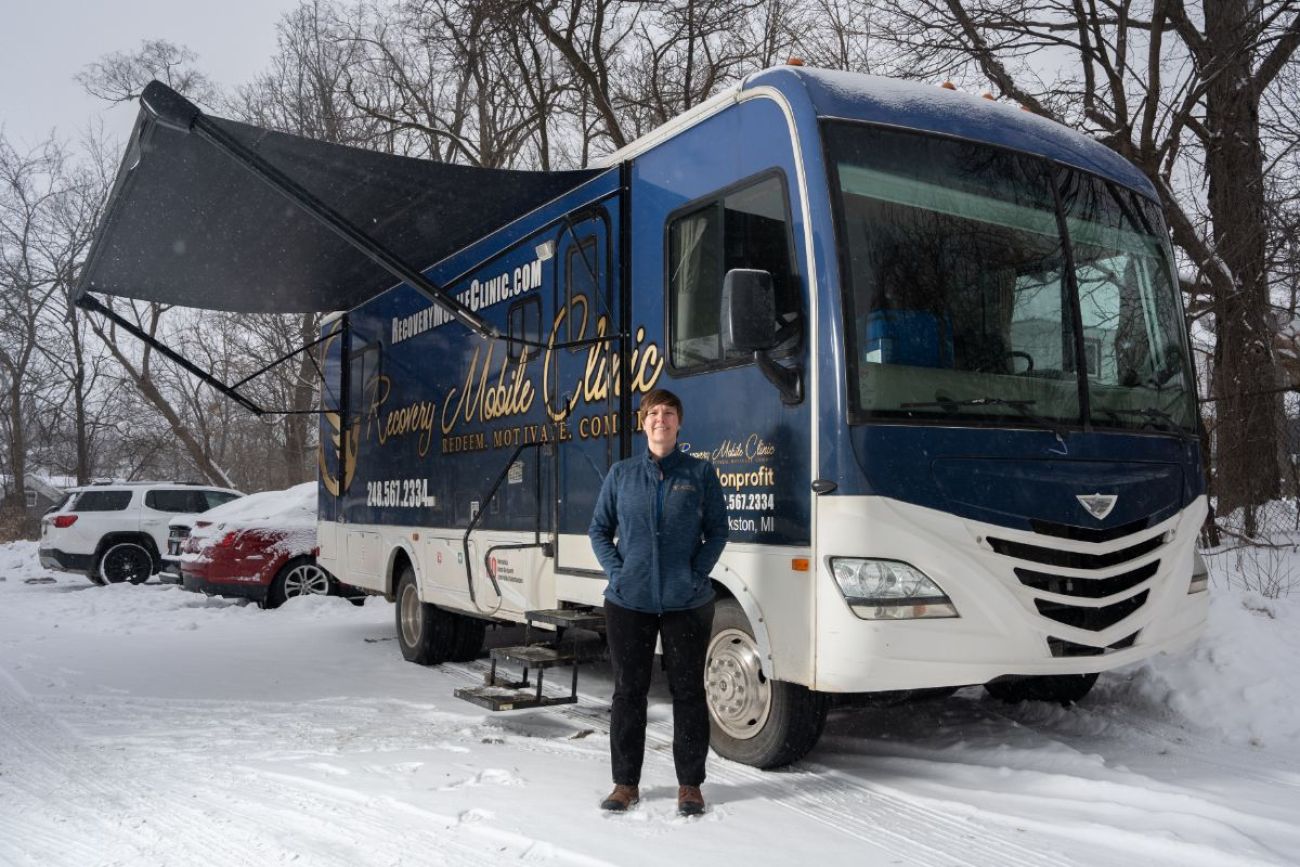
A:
(933, 344)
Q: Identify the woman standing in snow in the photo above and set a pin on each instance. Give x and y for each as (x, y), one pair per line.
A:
(667, 511)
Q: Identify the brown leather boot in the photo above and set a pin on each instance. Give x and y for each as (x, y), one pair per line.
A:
(689, 801)
(621, 798)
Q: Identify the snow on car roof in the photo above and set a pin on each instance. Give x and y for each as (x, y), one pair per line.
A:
(294, 507)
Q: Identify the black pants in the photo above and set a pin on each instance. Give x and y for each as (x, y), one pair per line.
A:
(632, 637)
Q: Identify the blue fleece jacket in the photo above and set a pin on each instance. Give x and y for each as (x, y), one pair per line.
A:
(670, 520)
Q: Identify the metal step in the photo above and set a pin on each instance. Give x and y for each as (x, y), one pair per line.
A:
(549, 655)
(569, 618)
(497, 698)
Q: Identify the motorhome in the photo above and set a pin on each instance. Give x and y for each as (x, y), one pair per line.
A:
(932, 344)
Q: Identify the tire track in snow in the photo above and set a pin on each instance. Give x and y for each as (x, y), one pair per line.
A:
(63, 801)
(899, 824)
(273, 804)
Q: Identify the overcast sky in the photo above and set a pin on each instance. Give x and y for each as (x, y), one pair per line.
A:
(44, 43)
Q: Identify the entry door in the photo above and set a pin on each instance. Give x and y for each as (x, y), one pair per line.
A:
(583, 403)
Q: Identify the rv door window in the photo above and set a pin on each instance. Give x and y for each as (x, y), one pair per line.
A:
(524, 322)
(747, 227)
(582, 272)
(363, 377)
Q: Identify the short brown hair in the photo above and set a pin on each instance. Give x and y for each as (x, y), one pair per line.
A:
(655, 398)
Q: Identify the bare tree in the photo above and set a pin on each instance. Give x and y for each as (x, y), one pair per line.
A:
(141, 372)
(589, 35)
(30, 185)
(122, 76)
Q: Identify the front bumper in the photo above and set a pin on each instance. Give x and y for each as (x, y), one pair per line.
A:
(1008, 624)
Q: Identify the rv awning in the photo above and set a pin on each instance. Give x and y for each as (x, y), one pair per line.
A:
(188, 224)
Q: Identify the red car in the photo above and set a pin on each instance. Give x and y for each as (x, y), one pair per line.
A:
(261, 547)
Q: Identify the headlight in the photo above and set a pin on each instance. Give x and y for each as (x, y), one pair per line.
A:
(1200, 574)
(889, 590)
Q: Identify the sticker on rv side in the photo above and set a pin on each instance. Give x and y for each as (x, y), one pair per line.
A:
(479, 295)
(402, 493)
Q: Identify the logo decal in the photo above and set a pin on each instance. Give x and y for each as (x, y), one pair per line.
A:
(1098, 505)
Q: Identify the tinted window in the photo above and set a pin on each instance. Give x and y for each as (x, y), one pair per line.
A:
(746, 228)
(174, 501)
(209, 499)
(102, 501)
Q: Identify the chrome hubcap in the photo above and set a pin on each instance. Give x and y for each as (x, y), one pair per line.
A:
(410, 603)
(306, 579)
(740, 697)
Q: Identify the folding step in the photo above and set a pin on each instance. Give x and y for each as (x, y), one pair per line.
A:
(549, 655)
(565, 648)
(569, 618)
(497, 698)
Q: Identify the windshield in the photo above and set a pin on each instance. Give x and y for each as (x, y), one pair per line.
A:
(959, 300)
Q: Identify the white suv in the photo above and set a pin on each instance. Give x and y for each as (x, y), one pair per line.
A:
(116, 532)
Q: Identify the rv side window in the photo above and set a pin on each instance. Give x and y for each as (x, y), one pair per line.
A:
(524, 322)
(744, 228)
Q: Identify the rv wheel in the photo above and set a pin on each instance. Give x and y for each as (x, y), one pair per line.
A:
(1058, 688)
(426, 633)
(753, 720)
(469, 635)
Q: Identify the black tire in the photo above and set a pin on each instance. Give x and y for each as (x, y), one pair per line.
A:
(1064, 689)
(426, 633)
(753, 720)
(468, 640)
(299, 577)
(125, 561)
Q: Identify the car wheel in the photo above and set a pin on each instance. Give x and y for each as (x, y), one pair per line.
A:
(753, 720)
(125, 561)
(299, 577)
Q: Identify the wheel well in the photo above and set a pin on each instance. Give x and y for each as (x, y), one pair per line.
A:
(399, 562)
(757, 623)
(144, 540)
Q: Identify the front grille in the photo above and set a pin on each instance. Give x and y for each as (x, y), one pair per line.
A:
(1086, 588)
(1074, 559)
(1062, 648)
(1087, 534)
(1092, 619)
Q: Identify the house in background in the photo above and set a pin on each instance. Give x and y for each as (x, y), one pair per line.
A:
(42, 492)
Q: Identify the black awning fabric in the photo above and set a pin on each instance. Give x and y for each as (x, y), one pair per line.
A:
(188, 225)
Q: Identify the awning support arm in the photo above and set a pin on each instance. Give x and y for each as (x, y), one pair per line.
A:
(90, 302)
(282, 359)
(172, 110)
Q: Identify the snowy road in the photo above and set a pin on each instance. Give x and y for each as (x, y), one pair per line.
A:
(145, 725)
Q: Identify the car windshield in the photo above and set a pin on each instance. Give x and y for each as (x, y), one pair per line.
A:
(960, 301)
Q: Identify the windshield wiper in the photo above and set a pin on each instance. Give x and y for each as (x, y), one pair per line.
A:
(1153, 417)
(953, 407)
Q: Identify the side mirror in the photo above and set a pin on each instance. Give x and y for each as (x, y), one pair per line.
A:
(749, 325)
(748, 311)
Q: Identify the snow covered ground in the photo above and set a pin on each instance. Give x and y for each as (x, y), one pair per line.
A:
(147, 725)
